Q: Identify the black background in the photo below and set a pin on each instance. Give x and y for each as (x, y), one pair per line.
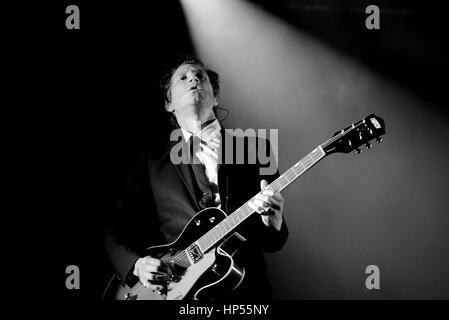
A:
(86, 102)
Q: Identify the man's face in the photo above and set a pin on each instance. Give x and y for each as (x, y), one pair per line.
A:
(191, 91)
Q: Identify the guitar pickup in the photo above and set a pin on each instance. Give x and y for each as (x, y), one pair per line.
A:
(194, 252)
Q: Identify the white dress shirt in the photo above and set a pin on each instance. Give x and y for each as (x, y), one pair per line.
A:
(209, 158)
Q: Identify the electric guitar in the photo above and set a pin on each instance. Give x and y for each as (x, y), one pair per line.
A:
(200, 260)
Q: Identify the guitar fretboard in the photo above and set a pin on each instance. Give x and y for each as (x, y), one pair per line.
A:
(217, 233)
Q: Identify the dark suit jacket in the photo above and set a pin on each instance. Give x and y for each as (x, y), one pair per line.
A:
(159, 198)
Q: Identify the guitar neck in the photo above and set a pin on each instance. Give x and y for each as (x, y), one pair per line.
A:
(213, 236)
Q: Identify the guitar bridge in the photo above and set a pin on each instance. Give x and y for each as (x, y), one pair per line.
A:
(194, 252)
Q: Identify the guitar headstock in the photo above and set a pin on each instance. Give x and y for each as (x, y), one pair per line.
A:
(358, 134)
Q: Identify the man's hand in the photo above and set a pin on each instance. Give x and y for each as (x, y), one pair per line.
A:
(269, 205)
(151, 272)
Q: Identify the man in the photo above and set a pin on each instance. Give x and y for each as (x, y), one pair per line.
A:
(162, 195)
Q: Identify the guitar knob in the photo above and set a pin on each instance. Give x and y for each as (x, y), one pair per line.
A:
(214, 269)
(379, 140)
(358, 151)
(368, 145)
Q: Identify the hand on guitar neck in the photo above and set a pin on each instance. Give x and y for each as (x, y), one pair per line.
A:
(270, 205)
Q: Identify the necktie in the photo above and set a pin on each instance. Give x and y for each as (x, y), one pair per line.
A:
(206, 197)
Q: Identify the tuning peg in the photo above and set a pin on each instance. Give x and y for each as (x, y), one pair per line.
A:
(358, 151)
(368, 145)
(378, 139)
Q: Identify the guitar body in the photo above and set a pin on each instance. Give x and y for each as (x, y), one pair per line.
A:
(204, 277)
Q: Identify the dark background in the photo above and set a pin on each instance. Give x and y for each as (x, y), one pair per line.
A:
(90, 103)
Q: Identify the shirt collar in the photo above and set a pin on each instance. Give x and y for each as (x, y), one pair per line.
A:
(206, 133)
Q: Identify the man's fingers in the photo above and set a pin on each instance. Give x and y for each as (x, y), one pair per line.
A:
(151, 272)
(158, 276)
(268, 192)
(265, 220)
(261, 204)
(268, 201)
(252, 205)
(263, 197)
(155, 262)
(149, 268)
(151, 261)
(146, 276)
(163, 267)
(154, 287)
(275, 206)
(255, 207)
(278, 196)
(274, 199)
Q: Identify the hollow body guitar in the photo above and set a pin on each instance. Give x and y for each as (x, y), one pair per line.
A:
(201, 260)
(194, 274)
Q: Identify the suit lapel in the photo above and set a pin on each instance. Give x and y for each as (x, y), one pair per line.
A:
(223, 172)
(185, 174)
(186, 177)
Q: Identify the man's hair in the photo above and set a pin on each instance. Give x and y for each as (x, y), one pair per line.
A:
(165, 84)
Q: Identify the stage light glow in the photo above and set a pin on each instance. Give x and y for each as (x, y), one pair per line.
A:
(343, 217)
